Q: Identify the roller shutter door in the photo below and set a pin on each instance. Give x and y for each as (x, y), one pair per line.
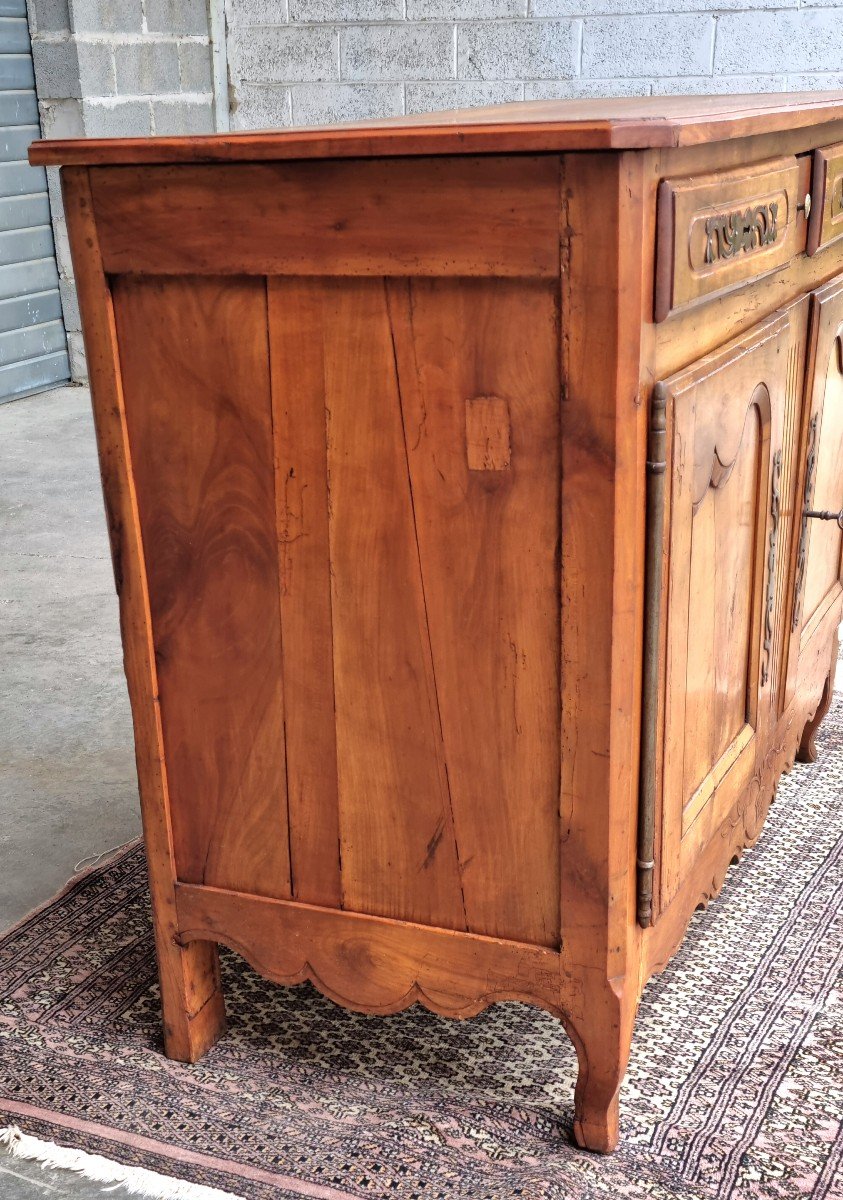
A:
(33, 343)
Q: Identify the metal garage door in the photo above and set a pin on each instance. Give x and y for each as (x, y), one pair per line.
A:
(33, 343)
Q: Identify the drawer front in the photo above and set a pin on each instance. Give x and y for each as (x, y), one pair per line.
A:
(721, 231)
(827, 194)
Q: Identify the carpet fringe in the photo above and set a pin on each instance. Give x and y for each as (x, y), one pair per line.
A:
(136, 1180)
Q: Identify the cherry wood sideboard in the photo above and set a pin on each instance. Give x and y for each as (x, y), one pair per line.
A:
(472, 483)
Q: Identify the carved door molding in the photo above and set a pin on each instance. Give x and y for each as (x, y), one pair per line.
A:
(818, 545)
(727, 515)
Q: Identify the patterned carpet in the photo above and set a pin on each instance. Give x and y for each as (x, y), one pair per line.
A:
(735, 1087)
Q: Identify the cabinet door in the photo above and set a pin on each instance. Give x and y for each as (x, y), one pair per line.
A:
(818, 572)
(730, 464)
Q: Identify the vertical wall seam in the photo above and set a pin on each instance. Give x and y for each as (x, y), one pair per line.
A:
(217, 33)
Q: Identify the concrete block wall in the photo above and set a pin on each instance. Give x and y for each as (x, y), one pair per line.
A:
(116, 68)
(314, 61)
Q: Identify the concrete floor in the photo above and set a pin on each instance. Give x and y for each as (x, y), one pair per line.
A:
(68, 788)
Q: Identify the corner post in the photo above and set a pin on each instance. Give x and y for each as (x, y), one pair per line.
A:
(194, 1011)
(604, 435)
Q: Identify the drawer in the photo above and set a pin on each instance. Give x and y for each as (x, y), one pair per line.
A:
(721, 231)
(827, 194)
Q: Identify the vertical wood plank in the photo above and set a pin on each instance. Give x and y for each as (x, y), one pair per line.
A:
(399, 857)
(479, 374)
(196, 380)
(191, 997)
(298, 401)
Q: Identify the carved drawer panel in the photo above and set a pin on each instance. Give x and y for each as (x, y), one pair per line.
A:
(721, 231)
(827, 194)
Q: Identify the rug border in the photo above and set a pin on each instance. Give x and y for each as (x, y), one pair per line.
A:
(106, 1133)
(107, 859)
(111, 1135)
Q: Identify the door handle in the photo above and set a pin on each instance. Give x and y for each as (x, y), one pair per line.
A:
(825, 515)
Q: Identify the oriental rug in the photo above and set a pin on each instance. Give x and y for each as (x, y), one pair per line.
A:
(734, 1089)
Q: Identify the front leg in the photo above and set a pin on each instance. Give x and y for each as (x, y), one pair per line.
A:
(807, 752)
(602, 1037)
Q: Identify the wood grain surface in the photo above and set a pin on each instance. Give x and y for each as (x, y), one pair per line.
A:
(465, 216)
(419, 596)
(196, 381)
(192, 1002)
(538, 125)
(373, 439)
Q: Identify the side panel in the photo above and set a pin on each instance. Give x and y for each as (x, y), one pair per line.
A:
(348, 480)
(417, 433)
(301, 497)
(477, 365)
(399, 857)
(196, 384)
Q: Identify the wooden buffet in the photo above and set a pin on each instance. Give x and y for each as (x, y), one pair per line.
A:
(457, 471)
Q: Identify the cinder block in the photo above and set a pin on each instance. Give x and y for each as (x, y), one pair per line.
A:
(70, 306)
(518, 50)
(257, 12)
(397, 52)
(118, 118)
(597, 8)
(806, 40)
(260, 106)
(96, 68)
(56, 69)
(108, 16)
(585, 89)
(820, 81)
(195, 67)
(435, 97)
(722, 85)
(76, 352)
(180, 117)
(325, 103)
(283, 55)
(49, 16)
(632, 46)
(346, 10)
(61, 118)
(464, 10)
(146, 68)
(176, 16)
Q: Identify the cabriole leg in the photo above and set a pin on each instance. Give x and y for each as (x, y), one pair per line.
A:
(602, 1039)
(807, 752)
